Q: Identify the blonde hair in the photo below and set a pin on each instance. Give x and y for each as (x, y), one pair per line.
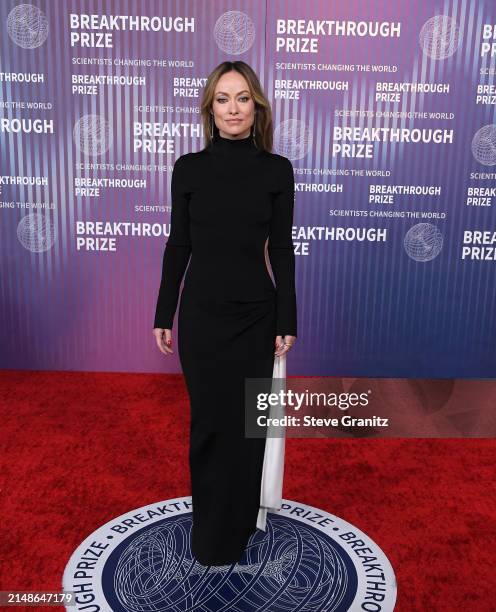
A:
(263, 111)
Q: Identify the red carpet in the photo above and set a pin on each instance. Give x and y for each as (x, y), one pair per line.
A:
(81, 448)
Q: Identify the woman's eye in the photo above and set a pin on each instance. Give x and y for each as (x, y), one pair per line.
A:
(243, 98)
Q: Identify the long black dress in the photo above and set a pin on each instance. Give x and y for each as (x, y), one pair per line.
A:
(227, 200)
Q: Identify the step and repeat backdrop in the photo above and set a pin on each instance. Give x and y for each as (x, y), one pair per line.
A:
(386, 110)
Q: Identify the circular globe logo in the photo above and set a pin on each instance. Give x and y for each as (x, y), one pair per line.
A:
(307, 560)
(36, 232)
(27, 26)
(293, 139)
(423, 242)
(234, 32)
(484, 145)
(92, 134)
(439, 37)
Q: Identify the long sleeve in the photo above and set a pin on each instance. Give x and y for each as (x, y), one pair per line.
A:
(281, 252)
(177, 249)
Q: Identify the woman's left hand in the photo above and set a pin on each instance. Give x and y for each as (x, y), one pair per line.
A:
(284, 344)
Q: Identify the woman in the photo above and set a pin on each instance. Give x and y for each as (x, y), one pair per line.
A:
(229, 201)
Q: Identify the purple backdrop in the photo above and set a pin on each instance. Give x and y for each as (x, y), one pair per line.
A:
(390, 278)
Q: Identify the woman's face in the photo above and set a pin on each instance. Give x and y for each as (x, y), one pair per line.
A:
(233, 107)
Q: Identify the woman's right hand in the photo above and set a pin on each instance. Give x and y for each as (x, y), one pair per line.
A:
(164, 340)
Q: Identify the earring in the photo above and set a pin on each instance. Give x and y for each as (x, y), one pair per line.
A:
(211, 126)
(254, 129)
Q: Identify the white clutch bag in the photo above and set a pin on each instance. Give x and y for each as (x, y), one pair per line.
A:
(273, 465)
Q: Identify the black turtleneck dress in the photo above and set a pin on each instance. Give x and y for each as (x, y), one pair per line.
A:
(228, 200)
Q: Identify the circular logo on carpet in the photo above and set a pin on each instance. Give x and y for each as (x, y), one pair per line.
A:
(307, 560)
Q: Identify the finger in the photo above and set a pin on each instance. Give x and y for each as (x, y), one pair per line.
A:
(167, 348)
(163, 347)
(282, 347)
(161, 338)
(169, 342)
